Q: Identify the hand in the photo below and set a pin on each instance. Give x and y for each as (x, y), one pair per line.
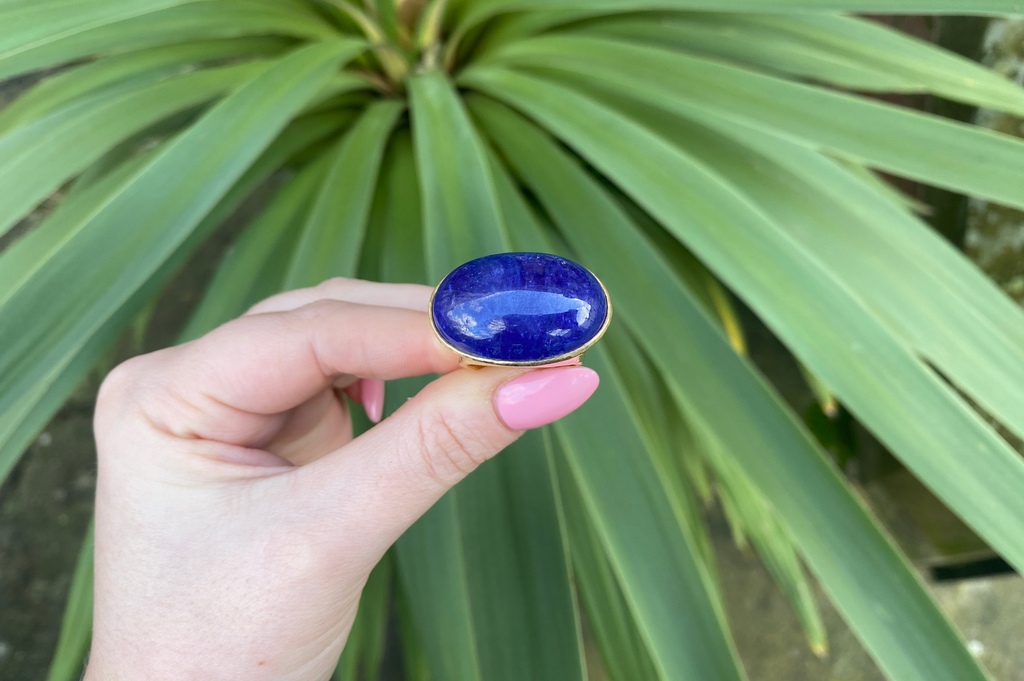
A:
(236, 518)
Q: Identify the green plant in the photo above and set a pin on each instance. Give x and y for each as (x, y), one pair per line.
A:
(667, 147)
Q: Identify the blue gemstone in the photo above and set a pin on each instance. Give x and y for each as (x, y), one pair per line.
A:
(519, 307)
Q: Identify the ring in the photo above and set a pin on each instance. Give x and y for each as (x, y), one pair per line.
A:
(520, 309)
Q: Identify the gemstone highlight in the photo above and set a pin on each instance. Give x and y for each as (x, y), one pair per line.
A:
(519, 307)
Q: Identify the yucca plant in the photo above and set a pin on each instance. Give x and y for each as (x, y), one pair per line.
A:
(673, 146)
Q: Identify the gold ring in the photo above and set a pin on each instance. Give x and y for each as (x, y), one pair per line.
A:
(520, 309)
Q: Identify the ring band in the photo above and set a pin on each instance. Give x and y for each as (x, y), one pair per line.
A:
(520, 309)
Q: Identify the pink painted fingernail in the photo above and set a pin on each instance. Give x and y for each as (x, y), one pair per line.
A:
(372, 393)
(540, 397)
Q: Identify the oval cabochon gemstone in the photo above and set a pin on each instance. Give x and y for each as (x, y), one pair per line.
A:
(519, 307)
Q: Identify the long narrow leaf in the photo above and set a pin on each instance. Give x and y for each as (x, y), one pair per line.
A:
(490, 559)
(523, 606)
(935, 300)
(414, 657)
(334, 231)
(888, 50)
(622, 646)
(928, 409)
(38, 158)
(656, 561)
(741, 39)
(230, 292)
(706, 652)
(21, 423)
(404, 224)
(461, 218)
(140, 67)
(30, 25)
(655, 410)
(371, 259)
(78, 618)
(180, 21)
(753, 519)
(650, 397)
(479, 12)
(923, 147)
(364, 648)
(432, 567)
(866, 576)
(848, 51)
(386, 12)
(76, 629)
(31, 253)
(432, 594)
(189, 177)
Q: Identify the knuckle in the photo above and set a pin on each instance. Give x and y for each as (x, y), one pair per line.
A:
(271, 304)
(119, 396)
(334, 286)
(118, 383)
(451, 448)
(132, 389)
(318, 309)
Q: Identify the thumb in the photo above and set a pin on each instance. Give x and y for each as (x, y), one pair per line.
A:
(389, 476)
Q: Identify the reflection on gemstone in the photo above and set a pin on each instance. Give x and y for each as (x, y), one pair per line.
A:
(519, 307)
(485, 317)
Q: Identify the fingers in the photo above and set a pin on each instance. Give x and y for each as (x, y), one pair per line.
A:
(393, 473)
(371, 396)
(313, 429)
(409, 296)
(269, 363)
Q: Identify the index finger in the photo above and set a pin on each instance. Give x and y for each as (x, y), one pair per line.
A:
(269, 363)
(410, 296)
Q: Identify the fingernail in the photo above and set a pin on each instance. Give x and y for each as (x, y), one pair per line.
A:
(540, 397)
(372, 392)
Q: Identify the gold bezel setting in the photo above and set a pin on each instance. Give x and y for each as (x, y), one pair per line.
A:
(474, 361)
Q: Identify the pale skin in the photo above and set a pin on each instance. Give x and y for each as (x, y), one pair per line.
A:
(237, 519)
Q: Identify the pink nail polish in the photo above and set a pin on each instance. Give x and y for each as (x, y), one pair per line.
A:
(372, 393)
(540, 397)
